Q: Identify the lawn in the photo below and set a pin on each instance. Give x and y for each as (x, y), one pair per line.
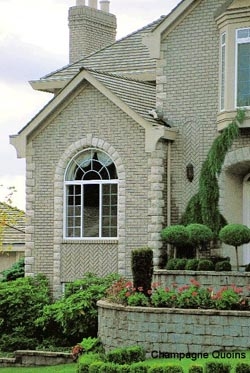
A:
(66, 368)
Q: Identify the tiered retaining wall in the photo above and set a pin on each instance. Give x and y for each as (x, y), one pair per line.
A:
(173, 330)
(205, 278)
(36, 358)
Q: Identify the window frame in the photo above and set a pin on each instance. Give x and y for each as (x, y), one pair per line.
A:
(237, 43)
(223, 46)
(99, 182)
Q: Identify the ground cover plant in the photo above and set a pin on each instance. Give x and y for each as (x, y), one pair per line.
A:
(192, 295)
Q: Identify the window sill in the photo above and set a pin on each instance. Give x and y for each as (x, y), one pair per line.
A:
(226, 117)
(90, 240)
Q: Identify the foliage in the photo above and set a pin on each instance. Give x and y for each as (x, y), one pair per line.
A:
(139, 368)
(203, 207)
(176, 235)
(14, 272)
(212, 367)
(199, 236)
(192, 265)
(171, 264)
(235, 235)
(74, 316)
(205, 265)
(142, 268)
(21, 302)
(223, 266)
(181, 264)
(86, 360)
(9, 215)
(195, 369)
(126, 355)
(91, 344)
(242, 368)
(191, 296)
(138, 299)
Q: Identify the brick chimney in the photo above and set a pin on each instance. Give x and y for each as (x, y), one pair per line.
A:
(90, 28)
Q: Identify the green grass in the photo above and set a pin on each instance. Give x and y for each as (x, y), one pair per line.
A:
(66, 368)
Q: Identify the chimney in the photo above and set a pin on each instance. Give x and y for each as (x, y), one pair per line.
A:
(90, 28)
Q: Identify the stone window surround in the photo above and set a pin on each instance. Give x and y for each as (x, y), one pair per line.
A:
(88, 141)
(228, 23)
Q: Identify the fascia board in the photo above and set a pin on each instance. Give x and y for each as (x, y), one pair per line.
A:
(48, 86)
(153, 39)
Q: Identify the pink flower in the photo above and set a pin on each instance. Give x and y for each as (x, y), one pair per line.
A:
(149, 292)
(140, 288)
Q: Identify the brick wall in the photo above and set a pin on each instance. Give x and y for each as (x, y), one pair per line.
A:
(89, 120)
(187, 90)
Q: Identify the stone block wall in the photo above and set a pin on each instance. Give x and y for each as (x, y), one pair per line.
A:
(173, 330)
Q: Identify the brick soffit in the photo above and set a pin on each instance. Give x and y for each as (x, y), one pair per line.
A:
(153, 132)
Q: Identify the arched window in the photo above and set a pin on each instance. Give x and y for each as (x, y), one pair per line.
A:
(91, 185)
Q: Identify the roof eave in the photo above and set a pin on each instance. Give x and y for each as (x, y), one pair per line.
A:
(51, 86)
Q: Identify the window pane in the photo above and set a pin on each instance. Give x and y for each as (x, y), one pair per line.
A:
(73, 223)
(109, 210)
(91, 210)
(243, 83)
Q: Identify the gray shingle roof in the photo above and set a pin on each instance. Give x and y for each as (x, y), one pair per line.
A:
(139, 96)
(127, 55)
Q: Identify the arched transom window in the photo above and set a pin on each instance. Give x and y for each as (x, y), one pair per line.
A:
(91, 185)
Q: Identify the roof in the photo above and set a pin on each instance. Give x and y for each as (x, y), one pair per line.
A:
(133, 97)
(127, 56)
(14, 226)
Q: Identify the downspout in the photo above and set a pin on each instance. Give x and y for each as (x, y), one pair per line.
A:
(169, 185)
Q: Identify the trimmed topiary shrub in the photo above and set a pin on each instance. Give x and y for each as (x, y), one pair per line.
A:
(85, 361)
(199, 236)
(175, 235)
(139, 368)
(192, 265)
(211, 367)
(174, 369)
(95, 366)
(223, 266)
(195, 369)
(242, 368)
(142, 268)
(205, 265)
(171, 264)
(181, 264)
(126, 355)
(235, 235)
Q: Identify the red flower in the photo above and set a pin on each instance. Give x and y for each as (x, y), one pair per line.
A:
(149, 292)
(140, 288)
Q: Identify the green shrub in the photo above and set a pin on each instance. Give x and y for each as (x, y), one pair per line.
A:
(157, 369)
(75, 316)
(86, 360)
(211, 367)
(192, 264)
(138, 299)
(142, 268)
(21, 301)
(247, 269)
(175, 235)
(109, 368)
(125, 368)
(126, 355)
(235, 235)
(171, 264)
(205, 265)
(174, 369)
(95, 367)
(199, 236)
(242, 368)
(223, 266)
(195, 369)
(14, 272)
(92, 344)
(139, 368)
(181, 264)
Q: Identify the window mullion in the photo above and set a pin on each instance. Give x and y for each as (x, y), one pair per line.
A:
(100, 210)
(82, 208)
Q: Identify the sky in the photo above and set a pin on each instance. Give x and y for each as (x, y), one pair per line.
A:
(34, 42)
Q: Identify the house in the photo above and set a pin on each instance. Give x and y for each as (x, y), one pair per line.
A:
(107, 157)
(12, 235)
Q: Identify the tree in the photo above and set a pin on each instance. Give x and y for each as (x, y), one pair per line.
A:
(235, 235)
(199, 236)
(175, 235)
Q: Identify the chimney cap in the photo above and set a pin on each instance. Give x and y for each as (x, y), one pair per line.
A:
(80, 2)
(104, 5)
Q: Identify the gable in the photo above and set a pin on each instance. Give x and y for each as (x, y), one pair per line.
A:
(134, 98)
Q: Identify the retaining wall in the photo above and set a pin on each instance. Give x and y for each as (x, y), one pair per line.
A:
(206, 278)
(173, 330)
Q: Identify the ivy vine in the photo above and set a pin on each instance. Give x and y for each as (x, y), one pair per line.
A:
(203, 207)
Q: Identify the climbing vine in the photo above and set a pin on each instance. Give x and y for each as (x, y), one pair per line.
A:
(203, 207)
